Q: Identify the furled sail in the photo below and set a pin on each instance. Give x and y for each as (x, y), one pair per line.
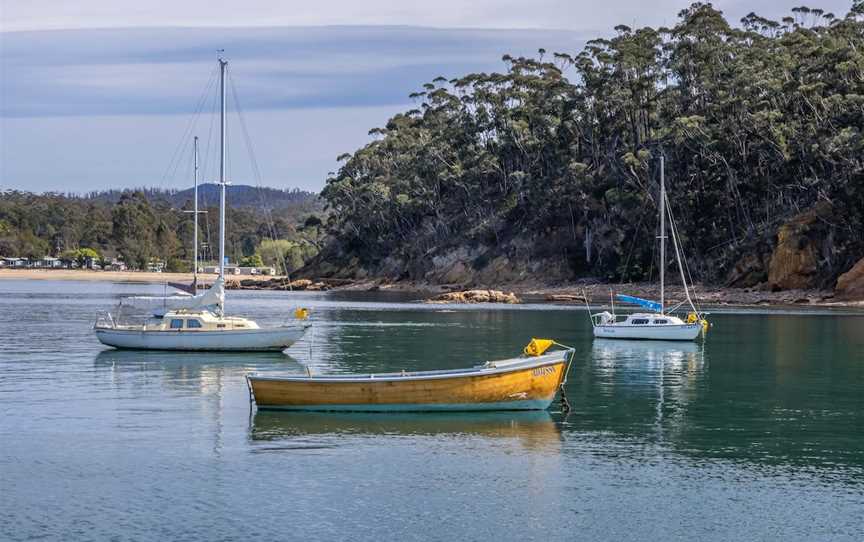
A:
(213, 298)
(646, 303)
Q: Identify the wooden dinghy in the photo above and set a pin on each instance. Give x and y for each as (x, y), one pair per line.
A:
(529, 382)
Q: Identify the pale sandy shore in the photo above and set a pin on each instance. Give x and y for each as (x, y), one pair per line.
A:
(112, 276)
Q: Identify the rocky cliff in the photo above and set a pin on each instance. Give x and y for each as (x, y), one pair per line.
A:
(798, 254)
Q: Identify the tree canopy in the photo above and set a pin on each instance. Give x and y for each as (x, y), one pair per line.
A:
(139, 226)
(555, 158)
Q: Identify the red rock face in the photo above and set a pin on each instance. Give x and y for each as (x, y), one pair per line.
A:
(850, 285)
(795, 261)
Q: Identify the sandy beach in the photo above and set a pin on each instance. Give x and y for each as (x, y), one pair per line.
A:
(113, 276)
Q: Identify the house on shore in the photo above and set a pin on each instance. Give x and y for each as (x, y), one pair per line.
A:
(237, 270)
(48, 262)
(10, 263)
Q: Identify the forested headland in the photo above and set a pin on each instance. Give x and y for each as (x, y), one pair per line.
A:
(548, 170)
(281, 227)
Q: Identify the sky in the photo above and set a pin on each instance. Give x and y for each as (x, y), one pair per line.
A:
(98, 94)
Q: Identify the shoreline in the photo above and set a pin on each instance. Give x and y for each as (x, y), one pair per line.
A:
(117, 276)
(528, 291)
(599, 293)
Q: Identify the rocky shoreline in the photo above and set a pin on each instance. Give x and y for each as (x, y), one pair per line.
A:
(574, 293)
(849, 291)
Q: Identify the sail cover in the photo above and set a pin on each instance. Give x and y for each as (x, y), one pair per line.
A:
(647, 303)
(213, 298)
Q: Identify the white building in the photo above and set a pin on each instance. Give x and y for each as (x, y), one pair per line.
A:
(13, 262)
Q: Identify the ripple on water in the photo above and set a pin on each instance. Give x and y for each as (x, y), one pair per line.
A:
(755, 435)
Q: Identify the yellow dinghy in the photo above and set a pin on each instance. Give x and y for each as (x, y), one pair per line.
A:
(529, 382)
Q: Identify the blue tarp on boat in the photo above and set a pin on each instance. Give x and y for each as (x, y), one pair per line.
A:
(647, 303)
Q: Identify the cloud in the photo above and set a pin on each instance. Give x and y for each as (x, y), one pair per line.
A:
(579, 15)
(84, 108)
(164, 70)
(538, 14)
(294, 148)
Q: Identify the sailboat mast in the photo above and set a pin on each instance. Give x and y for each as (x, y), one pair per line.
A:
(662, 233)
(195, 230)
(222, 64)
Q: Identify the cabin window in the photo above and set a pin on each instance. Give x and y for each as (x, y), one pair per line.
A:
(176, 324)
(661, 321)
(640, 321)
(193, 323)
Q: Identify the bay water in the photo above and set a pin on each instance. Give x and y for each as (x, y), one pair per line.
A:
(755, 434)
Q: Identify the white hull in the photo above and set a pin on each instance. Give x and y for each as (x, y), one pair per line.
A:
(264, 339)
(669, 332)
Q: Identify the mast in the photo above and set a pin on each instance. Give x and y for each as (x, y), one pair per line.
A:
(222, 64)
(195, 234)
(662, 232)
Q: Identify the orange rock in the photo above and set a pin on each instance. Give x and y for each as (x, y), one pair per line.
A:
(850, 285)
(476, 296)
(794, 263)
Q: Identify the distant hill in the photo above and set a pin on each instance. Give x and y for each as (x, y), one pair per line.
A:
(237, 196)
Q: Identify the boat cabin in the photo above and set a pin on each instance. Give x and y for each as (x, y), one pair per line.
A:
(606, 318)
(186, 320)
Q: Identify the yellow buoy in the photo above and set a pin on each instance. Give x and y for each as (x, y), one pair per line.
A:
(537, 346)
(301, 313)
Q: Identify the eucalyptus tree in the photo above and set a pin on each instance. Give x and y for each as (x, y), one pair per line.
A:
(554, 158)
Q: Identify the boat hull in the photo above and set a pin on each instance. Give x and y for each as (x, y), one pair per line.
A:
(252, 340)
(528, 385)
(685, 332)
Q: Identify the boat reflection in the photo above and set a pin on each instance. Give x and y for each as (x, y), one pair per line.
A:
(643, 389)
(203, 372)
(534, 430)
(612, 352)
(138, 358)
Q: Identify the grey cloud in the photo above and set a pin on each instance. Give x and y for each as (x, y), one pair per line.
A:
(162, 70)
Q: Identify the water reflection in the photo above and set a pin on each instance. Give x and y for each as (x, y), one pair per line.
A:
(536, 430)
(612, 353)
(225, 362)
(651, 384)
(200, 371)
(175, 359)
(750, 408)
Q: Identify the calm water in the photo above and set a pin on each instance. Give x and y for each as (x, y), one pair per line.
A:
(757, 435)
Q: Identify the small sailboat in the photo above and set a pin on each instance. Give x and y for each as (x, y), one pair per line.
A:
(197, 322)
(660, 324)
(528, 382)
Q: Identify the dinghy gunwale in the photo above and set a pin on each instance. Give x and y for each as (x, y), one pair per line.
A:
(487, 369)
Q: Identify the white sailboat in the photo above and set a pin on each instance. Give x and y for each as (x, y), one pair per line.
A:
(659, 324)
(197, 322)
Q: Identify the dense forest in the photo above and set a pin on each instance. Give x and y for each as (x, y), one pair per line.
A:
(258, 197)
(140, 226)
(549, 169)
